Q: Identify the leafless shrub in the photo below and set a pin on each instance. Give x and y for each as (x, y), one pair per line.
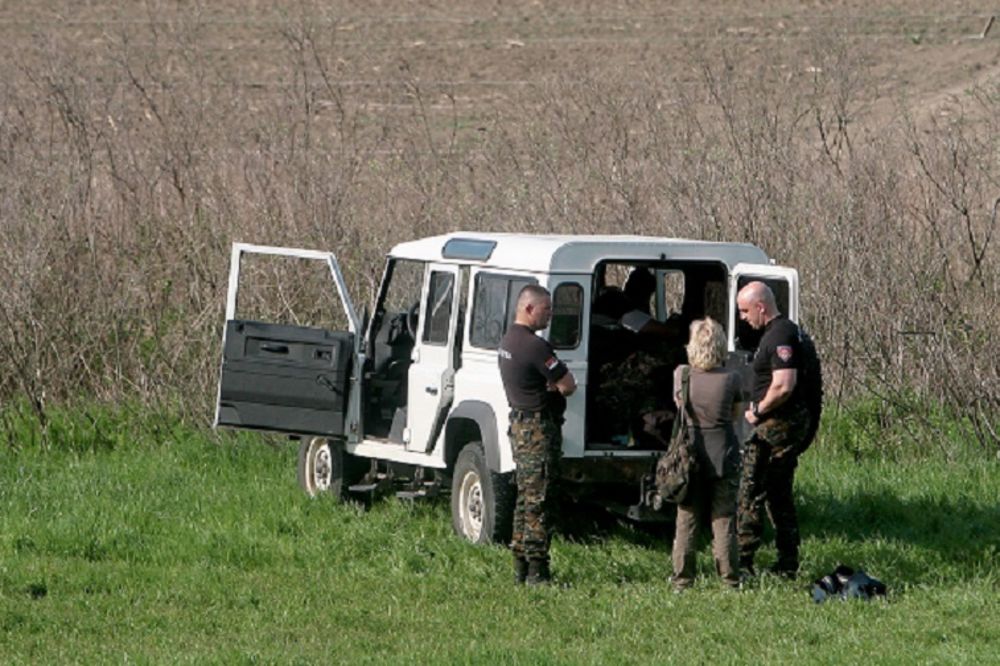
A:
(128, 167)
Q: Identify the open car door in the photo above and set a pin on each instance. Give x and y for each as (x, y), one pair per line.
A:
(743, 340)
(286, 378)
(783, 281)
(432, 373)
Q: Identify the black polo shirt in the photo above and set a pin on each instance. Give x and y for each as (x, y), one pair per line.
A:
(780, 348)
(527, 366)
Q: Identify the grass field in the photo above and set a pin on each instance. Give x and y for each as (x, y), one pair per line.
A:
(177, 546)
(855, 141)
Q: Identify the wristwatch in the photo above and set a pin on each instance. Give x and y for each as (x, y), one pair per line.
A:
(754, 408)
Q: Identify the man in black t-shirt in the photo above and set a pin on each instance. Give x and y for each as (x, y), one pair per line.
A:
(781, 422)
(536, 383)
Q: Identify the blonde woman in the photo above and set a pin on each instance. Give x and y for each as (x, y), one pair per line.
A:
(714, 400)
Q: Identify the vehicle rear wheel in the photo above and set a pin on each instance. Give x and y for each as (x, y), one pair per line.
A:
(325, 467)
(482, 501)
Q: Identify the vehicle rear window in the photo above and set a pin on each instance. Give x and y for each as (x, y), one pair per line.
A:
(567, 315)
(493, 307)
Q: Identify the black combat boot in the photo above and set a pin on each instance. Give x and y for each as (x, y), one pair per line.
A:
(538, 572)
(785, 569)
(520, 569)
(746, 567)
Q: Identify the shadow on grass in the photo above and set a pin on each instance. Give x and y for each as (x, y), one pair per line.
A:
(590, 524)
(954, 533)
(917, 539)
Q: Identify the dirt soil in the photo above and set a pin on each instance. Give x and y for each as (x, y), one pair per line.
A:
(470, 57)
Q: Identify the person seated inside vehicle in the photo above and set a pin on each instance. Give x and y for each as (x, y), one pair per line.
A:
(609, 306)
(634, 357)
(640, 285)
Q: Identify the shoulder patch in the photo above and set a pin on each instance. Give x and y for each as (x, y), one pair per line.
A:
(784, 352)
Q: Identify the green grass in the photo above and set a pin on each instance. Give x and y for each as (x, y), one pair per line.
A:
(166, 544)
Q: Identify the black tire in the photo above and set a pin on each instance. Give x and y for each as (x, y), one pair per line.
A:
(325, 467)
(482, 501)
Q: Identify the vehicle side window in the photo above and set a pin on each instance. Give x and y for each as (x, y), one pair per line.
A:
(403, 285)
(748, 339)
(439, 302)
(493, 307)
(288, 290)
(567, 315)
(673, 292)
(715, 300)
(395, 318)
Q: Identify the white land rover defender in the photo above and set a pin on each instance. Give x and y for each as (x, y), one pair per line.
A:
(411, 400)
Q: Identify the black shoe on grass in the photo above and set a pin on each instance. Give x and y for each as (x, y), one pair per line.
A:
(538, 573)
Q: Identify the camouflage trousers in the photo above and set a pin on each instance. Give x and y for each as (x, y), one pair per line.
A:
(537, 441)
(769, 461)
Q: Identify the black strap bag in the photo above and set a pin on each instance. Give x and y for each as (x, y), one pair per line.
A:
(677, 468)
(811, 378)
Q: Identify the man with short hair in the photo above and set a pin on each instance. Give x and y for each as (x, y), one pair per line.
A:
(537, 384)
(781, 422)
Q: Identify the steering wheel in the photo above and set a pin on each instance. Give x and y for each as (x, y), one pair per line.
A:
(413, 319)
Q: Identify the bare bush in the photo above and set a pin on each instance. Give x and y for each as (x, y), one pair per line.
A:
(130, 160)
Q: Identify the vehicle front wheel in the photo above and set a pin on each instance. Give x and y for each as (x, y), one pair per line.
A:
(482, 501)
(325, 467)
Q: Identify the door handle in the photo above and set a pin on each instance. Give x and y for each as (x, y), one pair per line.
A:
(274, 349)
(325, 382)
(431, 389)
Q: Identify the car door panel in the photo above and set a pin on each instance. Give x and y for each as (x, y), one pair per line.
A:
(286, 378)
(431, 375)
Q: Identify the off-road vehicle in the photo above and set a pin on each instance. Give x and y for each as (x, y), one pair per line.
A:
(410, 400)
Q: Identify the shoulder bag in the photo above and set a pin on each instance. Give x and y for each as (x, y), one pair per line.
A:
(676, 469)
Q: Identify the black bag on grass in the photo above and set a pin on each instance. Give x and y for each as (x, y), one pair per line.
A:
(846, 583)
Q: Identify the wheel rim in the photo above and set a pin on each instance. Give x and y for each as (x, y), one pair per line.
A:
(471, 507)
(322, 466)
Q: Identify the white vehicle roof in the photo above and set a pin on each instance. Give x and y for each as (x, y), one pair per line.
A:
(569, 253)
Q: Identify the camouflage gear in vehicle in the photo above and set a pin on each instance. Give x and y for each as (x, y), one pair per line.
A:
(631, 388)
(537, 441)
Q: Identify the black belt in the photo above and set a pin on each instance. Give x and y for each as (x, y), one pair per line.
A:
(516, 413)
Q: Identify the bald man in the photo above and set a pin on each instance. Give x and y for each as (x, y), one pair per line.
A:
(537, 384)
(781, 421)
